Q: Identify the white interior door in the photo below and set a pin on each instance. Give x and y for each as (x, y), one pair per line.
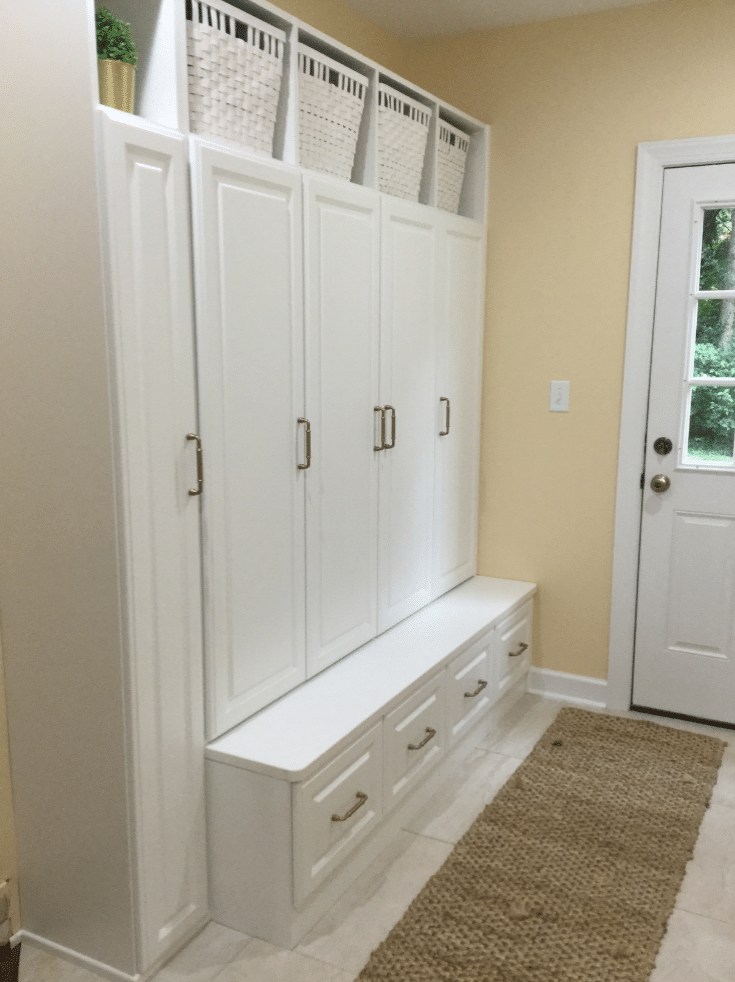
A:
(458, 389)
(249, 299)
(409, 242)
(684, 650)
(342, 232)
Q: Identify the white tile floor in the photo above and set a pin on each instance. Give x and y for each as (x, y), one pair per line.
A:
(699, 944)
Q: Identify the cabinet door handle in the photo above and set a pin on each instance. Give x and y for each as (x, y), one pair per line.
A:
(429, 734)
(521, 648)
(389, 446)
(361, 799)
(445, 432)
(481, 683)
(379, 409)
(200, 464)
(303, 467)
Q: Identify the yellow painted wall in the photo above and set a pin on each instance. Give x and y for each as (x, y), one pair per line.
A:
(569, 100)
(334, 18)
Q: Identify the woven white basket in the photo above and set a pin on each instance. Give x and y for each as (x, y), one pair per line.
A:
(235, 66)
(453, 147)
(403, 127)
(331, 101)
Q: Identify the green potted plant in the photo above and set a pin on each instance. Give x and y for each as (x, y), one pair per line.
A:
(116, 60)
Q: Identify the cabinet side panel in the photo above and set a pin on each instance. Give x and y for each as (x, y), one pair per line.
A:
(250, 851)
(152, 325)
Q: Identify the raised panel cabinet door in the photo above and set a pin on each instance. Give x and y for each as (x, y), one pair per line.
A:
(249, 302)
(342, 229)
(458, 392)
(148, 265)
(409, 243)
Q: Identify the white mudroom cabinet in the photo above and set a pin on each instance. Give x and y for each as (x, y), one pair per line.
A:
(291, 368)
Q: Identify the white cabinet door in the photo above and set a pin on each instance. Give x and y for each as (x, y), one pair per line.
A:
(342, 227)
(407, 368)
(458, 387)
(152, 346)
(249, 299)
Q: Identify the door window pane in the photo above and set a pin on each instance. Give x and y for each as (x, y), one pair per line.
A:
(714, 351)
(717, 267)
(712, 424)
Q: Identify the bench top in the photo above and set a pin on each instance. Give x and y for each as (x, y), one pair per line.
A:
(291, 738)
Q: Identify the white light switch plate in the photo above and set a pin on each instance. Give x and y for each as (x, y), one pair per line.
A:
(559, 400)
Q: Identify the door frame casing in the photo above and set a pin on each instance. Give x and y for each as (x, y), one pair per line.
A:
(653, 159)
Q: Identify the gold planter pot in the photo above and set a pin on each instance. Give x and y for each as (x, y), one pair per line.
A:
(117, 84)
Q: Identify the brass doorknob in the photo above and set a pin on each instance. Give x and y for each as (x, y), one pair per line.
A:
(660, 483)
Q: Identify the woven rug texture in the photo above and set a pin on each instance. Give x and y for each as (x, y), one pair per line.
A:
(571, 873)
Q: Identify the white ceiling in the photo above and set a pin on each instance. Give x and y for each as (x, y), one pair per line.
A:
(424, 18)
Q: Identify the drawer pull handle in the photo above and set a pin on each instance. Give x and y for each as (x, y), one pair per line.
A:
(200, 465)
(481, 683)
(361, 799)
(521, 648)
(445, 432)
(307, 465)
(381, 410)
(389, 446)
(429, 734)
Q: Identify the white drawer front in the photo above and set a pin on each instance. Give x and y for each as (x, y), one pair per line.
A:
(335, 810)
(514, 645)
(414, 739)
(471, 686)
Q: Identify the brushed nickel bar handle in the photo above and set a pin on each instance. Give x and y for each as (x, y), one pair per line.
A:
(379, 409)
(481, 683)
(446, 431)
(521, 648)
(389, 446)
(303, 467)
(200, 464)
(429, 734)
(361, 799)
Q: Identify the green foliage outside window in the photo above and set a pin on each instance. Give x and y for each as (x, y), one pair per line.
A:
(712, 425)
(114, 40)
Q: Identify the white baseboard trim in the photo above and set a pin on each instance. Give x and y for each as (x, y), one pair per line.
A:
(98, 968)
(577, 689)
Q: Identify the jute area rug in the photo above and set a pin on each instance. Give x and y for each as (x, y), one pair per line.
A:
(570, 874)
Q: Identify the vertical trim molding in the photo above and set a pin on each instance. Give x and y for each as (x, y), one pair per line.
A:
(653, 159)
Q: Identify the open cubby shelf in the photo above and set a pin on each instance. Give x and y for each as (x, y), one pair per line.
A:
(162, 96)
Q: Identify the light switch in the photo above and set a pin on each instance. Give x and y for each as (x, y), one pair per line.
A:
(559, 400)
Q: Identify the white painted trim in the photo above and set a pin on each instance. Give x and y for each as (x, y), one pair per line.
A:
(564, 686)
(653, 158)
(106, 971)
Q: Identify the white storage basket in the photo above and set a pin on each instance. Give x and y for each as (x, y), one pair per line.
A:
(331, 101)
(403, 127)
(235, 67)
(452, 157)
